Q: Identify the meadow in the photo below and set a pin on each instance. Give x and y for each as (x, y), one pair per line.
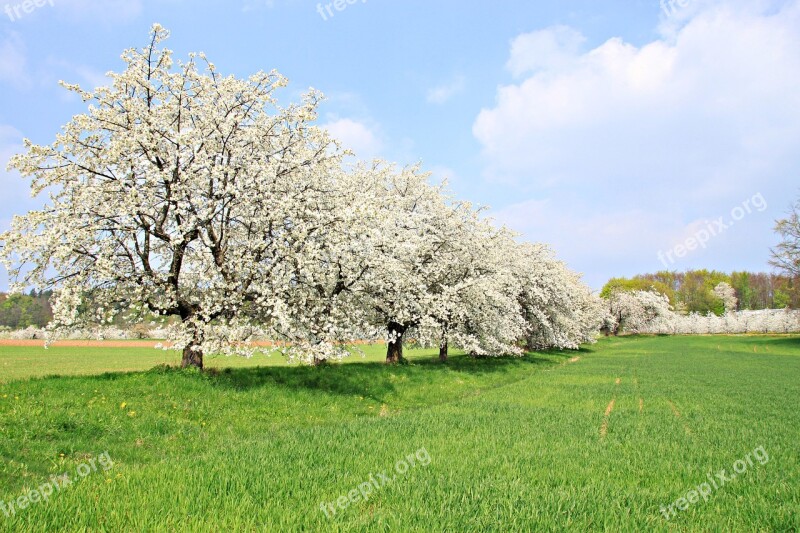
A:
(616, 436)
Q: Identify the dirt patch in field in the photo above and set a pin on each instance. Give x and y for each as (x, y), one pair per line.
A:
(610, 407)
(618, 381)
(574, 359)
(641, 405)
(678, 416)
(604, 426)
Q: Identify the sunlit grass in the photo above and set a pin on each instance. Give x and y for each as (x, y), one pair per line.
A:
(515, 444)
(18, 362)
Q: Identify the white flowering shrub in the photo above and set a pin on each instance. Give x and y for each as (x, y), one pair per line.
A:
(727, 294)
(29, 333)
(87, 333)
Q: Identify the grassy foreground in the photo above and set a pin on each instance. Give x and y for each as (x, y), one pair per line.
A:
(542, 442)
(21, 362)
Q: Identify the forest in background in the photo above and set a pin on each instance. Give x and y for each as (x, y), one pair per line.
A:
(18, 311)
(693, 291)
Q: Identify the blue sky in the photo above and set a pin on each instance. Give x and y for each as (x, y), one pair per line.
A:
(622, 133)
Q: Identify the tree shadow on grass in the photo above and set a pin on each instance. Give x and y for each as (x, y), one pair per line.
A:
(789, 341)
(377, 380)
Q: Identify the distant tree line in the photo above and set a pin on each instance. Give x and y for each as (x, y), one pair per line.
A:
(693, 291)
(23, 310)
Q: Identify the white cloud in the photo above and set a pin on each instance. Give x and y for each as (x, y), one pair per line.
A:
(16, 191)
(106, 11)
(556, 47)
(657, 135)
(442, 174)
(93, 78)
(15, 198)
(356, 136)
(591, 242)
(728, 87)
(603, 244)
(442, 93)
(13, 61)
(87, 77)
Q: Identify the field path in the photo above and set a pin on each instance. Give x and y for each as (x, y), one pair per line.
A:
(637, 392)
(678, 416)
(609, 409)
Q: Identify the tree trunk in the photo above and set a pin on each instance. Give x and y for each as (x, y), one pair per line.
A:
(530, 345)
(443, 351)
(192, 358)
(394, 350)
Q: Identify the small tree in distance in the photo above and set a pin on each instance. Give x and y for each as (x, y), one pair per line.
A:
(786, 256)
(725, 292)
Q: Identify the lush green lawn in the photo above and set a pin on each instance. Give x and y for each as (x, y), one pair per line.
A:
(502, 445)
(29, 361)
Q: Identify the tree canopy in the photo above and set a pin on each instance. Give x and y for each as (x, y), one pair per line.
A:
(185, 193)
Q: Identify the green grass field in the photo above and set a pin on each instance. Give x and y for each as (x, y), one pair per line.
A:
(26, 362)
(539, 443)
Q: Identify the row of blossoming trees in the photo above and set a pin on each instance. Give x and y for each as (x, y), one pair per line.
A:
(185, 193)
(650, 312)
